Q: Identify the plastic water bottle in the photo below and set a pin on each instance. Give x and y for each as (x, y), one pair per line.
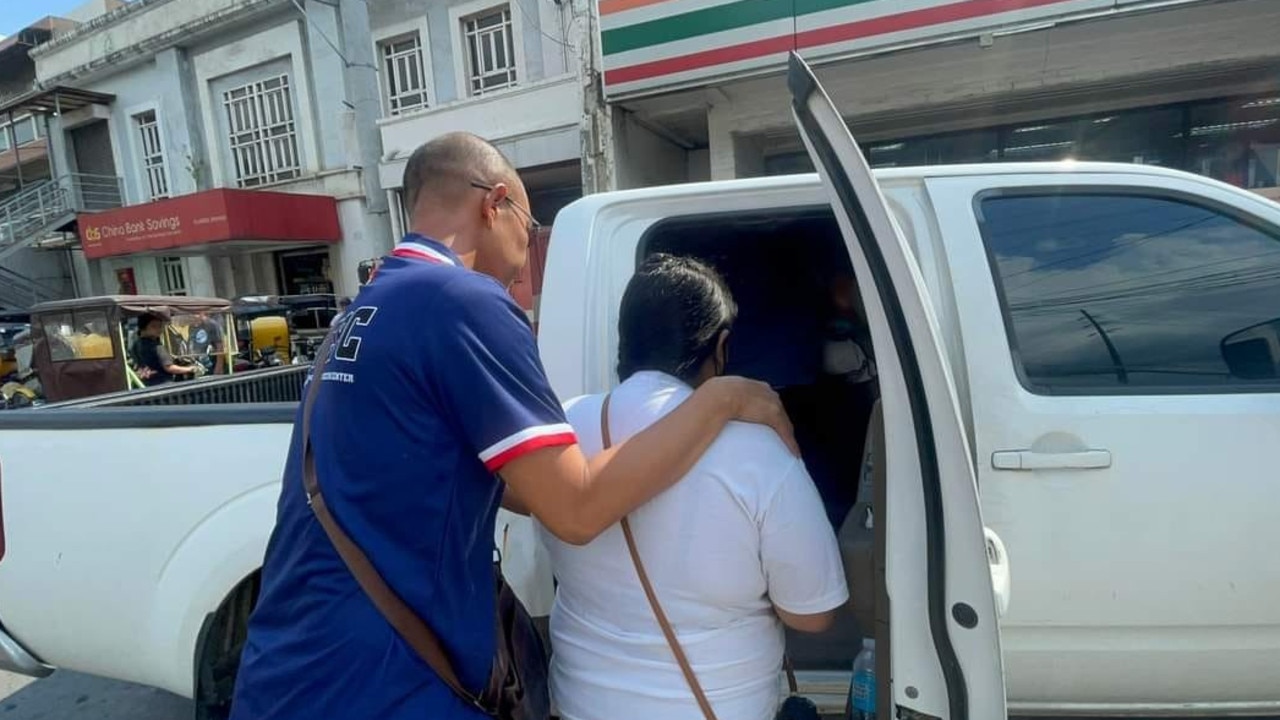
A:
(862, 693)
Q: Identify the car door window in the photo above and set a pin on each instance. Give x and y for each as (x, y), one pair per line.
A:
(1113, 292)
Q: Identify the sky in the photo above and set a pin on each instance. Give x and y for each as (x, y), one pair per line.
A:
(17, 14)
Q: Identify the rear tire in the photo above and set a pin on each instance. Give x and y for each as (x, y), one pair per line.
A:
(218, 650)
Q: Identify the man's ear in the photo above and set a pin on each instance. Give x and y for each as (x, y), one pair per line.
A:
(493, 202)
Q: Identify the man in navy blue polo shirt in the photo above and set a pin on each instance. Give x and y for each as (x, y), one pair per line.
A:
(433, 403)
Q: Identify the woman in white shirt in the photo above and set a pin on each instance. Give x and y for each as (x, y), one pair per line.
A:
(738, 548)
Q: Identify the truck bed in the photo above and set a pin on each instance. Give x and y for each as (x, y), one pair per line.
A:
(269, 385)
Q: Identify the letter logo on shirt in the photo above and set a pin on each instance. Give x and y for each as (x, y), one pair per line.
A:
(347, 347)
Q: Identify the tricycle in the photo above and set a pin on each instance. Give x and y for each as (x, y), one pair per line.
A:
(262, 326)
(86, 346)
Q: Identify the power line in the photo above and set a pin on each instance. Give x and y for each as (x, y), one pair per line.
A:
(524, 12)
(329, 42)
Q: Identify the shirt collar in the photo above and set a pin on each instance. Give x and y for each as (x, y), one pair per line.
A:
(659, 379)
(420, 247)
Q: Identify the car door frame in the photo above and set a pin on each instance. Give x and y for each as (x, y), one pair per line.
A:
(941, 633)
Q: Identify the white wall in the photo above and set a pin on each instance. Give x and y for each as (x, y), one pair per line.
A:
(534, 124)
(644, 158)
(537, 24)
(97, 46)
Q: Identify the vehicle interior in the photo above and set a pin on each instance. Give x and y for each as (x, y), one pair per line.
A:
(792, 279)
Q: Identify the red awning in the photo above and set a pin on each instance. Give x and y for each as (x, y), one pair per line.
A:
(230, 219)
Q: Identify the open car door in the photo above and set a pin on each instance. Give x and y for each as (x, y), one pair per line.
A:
(937, 634)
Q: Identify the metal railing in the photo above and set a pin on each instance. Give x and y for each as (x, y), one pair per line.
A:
(271, 385)
(94, 192)
(37, 209)
(32, 210)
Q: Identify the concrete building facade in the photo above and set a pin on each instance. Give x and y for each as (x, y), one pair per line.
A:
(266, 96)
(504, 69)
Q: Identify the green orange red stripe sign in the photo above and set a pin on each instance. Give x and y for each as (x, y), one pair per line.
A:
(650, 45)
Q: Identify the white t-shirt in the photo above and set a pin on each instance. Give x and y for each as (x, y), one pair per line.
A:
(743, 531)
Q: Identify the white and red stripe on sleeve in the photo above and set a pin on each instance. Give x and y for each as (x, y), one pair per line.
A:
(526, 441)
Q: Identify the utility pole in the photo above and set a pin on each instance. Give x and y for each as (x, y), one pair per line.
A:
(360, 74)
(599, 167)
(362, 95)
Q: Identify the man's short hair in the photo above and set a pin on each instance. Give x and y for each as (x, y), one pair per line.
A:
(672, 313)
(146, 319)
(444, 168)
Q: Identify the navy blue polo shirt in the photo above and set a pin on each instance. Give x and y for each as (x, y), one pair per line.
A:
(433, 385)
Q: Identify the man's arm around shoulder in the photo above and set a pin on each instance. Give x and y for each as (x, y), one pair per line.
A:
(577, 499)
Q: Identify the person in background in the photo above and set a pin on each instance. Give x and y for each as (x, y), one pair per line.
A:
(734, 551)
(205, 339)
(435, 411)
(844, 353)
(155, 364)
(846, 393)
(343, 304)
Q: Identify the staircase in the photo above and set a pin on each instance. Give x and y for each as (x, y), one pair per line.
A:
(39, 209)
(18, 292)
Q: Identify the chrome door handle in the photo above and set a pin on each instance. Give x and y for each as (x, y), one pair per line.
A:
(1029, 460)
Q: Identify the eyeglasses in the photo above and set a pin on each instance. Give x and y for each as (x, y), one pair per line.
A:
(534, 226)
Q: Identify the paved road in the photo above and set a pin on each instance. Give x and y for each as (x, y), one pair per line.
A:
(71, 696)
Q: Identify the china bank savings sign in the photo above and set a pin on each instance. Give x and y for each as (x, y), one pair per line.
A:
(190, 222)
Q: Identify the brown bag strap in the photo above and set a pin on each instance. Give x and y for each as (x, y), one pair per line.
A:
(667, 632)
(791, 675)
(399, 615)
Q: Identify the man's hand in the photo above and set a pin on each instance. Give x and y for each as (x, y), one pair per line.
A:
(755, 402)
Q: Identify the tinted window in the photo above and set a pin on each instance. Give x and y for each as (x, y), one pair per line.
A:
(1125, 293)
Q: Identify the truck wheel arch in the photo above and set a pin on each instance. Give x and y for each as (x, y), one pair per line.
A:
(207, 571)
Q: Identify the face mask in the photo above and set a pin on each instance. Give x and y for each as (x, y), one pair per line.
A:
(842, 327)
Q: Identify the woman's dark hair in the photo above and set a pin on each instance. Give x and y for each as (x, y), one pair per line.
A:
(672, 313)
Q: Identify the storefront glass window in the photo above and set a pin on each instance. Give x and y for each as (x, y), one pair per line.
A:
(792, 163)
(979, 146)
(1042, 141)
(899, 153)
(1142, 137)
(1235, 140)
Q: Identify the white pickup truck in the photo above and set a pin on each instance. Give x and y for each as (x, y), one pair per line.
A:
(1097, 347)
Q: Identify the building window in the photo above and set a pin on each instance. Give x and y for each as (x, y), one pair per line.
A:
(404, 72)
(1113, 293)
(489, 42)
(173, 279)
(262, 132)
(152, 155)
(25, 130)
